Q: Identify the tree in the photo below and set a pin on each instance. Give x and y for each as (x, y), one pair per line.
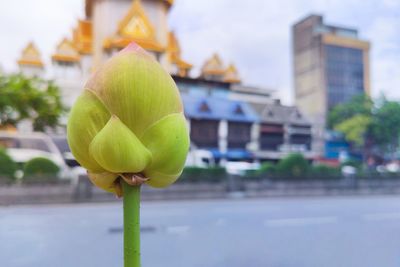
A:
(355, 128)
(368, 124)
(358, 105)
(29, 98)
(385, 127)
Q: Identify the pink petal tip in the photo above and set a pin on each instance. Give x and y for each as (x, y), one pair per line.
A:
(133, 47)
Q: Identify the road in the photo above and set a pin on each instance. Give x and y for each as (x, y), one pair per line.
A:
(291, 232)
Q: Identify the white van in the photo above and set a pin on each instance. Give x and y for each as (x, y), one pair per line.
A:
(200, 158)
(24, 147)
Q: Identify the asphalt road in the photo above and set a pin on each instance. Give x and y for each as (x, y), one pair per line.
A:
(295, 232)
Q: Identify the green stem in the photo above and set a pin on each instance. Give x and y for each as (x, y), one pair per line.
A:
(131, 225)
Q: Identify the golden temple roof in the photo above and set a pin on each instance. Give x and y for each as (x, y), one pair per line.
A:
(213, 66)
(231, 74)
(135, 26)
(66, 52)
(30, 56)
(174, 53)
(173, 44)
(83, 37)
(214, 69)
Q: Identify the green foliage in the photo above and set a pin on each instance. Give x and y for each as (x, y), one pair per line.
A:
(322, 171)
(38, 167)
(197, 174)
(358, 105)
(293, 166)
(267, 168)
(7, 165)
(355, 128)
(385, 126)
(362, 119)
(353, 163)
(29, 98)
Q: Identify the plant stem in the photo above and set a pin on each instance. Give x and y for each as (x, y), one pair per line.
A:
(131, 225)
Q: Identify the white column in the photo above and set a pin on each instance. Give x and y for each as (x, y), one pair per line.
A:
(223, 138)
(254, 144)
(188, 124)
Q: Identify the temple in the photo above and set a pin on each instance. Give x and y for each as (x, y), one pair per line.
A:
(30, 62)
(227, 118)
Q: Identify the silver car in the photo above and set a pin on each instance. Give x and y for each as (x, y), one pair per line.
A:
(24, 147)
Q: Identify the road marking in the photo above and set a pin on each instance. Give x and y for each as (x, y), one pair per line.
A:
(300, 221)
(381, 216)
(143, 229)
(182, 229)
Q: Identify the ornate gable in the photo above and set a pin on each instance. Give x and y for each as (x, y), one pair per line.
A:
(30, 56)
(66, 52)
(135, 27)
(136, 24)
(213, 66)
(231, 74)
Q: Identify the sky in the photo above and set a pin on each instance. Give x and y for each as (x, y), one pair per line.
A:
(252, 34)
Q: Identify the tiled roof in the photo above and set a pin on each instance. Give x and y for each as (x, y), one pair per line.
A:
(276, 113)
(218, 108)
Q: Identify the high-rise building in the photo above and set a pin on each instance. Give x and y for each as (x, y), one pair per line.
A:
(330, 65)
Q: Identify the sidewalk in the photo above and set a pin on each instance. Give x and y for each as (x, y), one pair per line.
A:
(84, 191)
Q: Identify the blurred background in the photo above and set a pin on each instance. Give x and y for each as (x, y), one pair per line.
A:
(294, 123)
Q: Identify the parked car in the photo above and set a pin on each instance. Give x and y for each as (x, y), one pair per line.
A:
(62, 144)
(24, 147)
(200, 158)
(241, 167)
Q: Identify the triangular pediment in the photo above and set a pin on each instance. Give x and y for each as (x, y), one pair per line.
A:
(31, 52)
(30, 56)
(214, 63)
(65, 47)
(213, 66)
(238, 110)
(136, 24)
(204, 107)
(231, 74)
(66, 51)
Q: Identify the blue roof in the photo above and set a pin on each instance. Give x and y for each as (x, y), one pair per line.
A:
(218, 108)
(231, 153)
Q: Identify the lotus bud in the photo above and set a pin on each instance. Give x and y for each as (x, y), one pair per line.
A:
(129, 122)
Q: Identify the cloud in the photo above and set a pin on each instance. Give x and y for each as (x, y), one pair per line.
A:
(386, 56)
(256, 36)
(43, 21)
(253, 34)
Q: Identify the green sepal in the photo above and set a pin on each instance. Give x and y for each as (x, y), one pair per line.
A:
(168, 142)
(117, 149)
(104, 180)
(88, 116)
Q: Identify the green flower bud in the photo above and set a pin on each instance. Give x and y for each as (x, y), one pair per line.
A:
(129, 119)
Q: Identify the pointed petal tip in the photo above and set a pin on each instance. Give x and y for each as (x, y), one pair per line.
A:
(133, 47)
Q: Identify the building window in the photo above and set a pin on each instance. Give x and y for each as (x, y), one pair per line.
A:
(239, 134)
(344, 73)
(204, 133)
(301, 139)
(271, 136)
